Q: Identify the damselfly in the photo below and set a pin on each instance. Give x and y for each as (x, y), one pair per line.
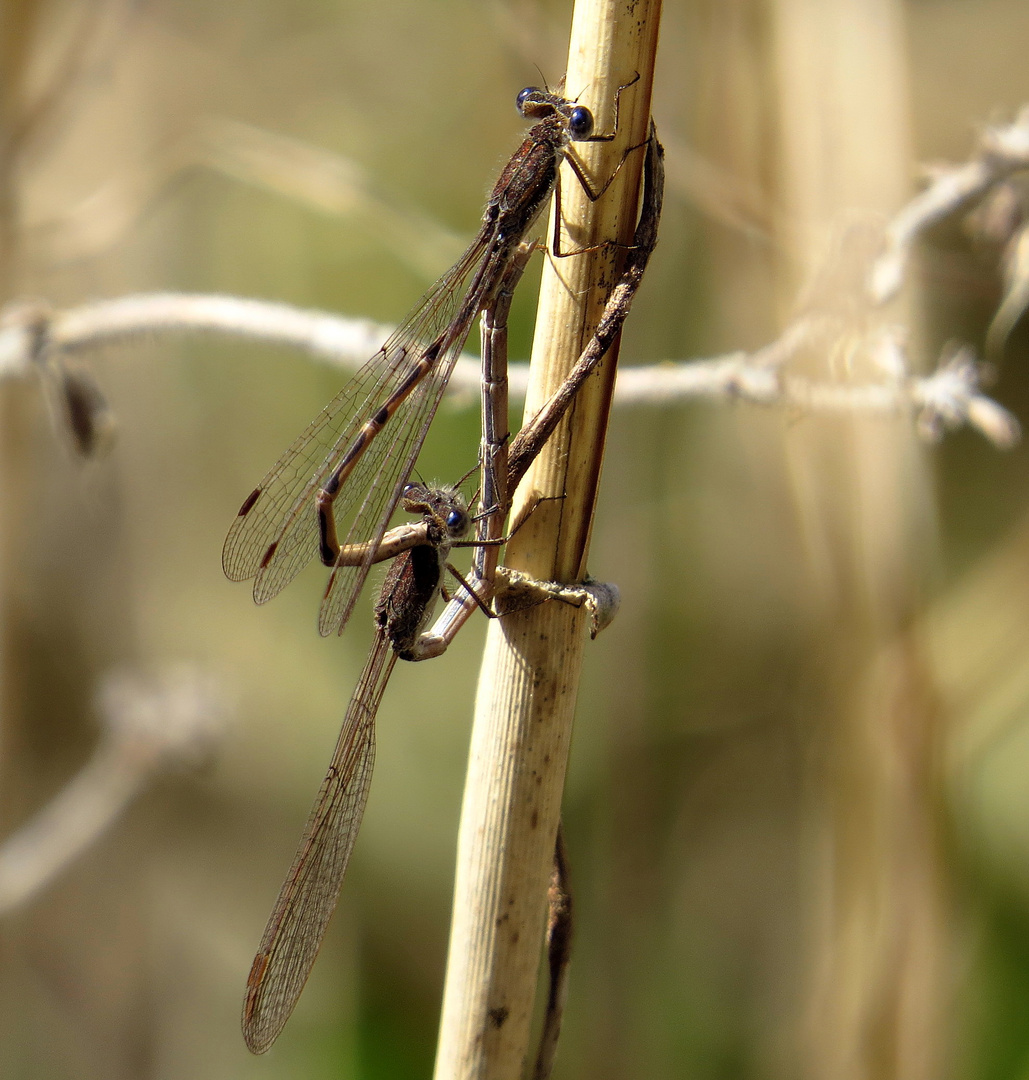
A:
(341, 476)
(308, 896)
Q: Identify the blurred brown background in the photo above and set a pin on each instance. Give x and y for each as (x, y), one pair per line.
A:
(797, 809)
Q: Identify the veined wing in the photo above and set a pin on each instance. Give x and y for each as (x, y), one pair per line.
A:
(391, 459)
(275, 533)
(308, 897)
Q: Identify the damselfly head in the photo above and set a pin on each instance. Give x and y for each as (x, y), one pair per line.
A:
(445, 505)
(449, 507)
(535, 103)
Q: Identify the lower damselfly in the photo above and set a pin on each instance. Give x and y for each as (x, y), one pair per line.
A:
(308, 896)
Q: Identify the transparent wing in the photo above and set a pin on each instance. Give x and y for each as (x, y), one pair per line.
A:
(275, 533)
(390, 460)
(308, 896)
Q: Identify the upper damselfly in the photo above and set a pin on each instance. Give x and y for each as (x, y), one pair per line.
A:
(342, 476)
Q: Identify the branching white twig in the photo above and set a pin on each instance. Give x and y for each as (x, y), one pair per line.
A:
(946, 399)
(1002, 151)
(147, 727)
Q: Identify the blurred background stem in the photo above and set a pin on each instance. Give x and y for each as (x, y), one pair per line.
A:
(878, 898)
(57, 585)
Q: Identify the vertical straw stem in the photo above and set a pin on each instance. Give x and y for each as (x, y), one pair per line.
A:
(882, 957)
(530, 670)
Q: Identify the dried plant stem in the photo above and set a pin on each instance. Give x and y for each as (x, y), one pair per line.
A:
(877, 923)
(529, 676)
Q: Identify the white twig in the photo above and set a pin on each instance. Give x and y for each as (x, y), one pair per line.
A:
(1002, 151)
(944, 400)
(147, 728)
(334, 339)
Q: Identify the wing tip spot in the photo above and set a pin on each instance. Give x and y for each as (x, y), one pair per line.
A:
(248, 503)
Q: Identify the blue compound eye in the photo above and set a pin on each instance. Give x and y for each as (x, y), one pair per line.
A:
(455, 519)
(580, 123)
(524, 95)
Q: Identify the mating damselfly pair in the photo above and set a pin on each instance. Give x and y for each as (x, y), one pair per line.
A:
(347, 473)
